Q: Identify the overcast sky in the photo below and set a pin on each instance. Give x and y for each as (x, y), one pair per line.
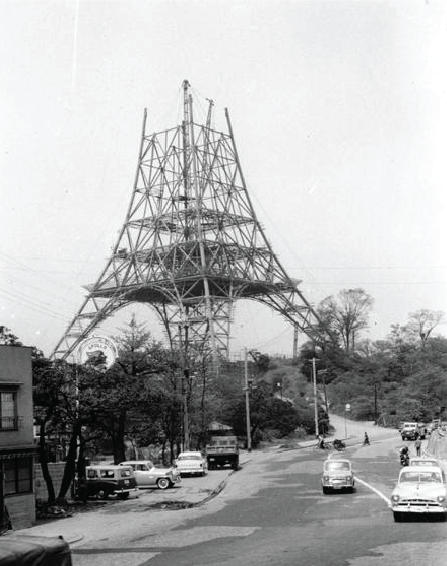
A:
(339, 110)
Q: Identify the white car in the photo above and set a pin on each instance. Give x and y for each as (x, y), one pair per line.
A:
(148, 475)
(191, 463)
(337, 475)
(420, 489)
(424, 461)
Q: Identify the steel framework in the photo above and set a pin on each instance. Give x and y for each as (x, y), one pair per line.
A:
(191, 244)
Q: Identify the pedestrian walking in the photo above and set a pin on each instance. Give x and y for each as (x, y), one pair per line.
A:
(366, 440)
(417, 445)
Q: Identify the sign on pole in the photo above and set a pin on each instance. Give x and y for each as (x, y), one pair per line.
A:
(91, 347)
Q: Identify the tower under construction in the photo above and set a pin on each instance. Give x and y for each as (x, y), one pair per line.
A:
(191, 244)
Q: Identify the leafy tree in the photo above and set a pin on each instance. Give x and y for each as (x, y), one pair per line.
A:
(7, 338)
(422, 323)
(346, 315)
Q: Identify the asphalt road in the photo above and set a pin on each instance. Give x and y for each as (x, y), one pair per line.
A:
(273, 512)
(270, 512)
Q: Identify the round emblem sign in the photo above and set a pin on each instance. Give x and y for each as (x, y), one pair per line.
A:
(95, 346)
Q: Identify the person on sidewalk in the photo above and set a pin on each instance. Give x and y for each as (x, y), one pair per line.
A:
(417, 445)
(366, 440)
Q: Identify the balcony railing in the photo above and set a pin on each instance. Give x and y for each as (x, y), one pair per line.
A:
(10, 423)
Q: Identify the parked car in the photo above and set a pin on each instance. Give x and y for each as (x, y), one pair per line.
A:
(31, 550)
(424, 461)
(107, 479)
(420, 489)
(148, 475)
(337, 475)
(192, 463)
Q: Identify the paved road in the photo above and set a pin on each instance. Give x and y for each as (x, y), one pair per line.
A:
(272, 512)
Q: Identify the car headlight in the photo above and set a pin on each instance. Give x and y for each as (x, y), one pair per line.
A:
(326, 478)
(395, 498)
(441, 498)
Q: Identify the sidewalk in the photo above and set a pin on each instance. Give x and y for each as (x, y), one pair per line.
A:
(94, 524)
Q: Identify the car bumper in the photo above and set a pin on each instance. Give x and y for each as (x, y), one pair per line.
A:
(125, 490)
(422, 508)
(338, 484)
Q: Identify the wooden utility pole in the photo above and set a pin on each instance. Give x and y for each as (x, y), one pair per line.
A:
(185, 384)
(247, 401)
(314, 375)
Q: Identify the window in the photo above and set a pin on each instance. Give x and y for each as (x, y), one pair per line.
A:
(18, 475)
(106, 473)
(8, 410)
(91, 474)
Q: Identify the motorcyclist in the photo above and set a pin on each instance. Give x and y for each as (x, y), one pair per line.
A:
(404, 456)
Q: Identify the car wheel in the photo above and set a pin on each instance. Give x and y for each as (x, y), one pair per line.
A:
(397, 516)
(123, 495)
(103, 493)
(325, 490)
(163, 483)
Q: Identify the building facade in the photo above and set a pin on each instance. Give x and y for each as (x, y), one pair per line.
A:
(17, 501)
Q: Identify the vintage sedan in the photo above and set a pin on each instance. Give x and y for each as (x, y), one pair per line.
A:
(104, 480)
(148, 475)
(337, 475)
(420, 489)
(192, 463)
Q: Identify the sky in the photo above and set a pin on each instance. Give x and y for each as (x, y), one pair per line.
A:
(339, 110)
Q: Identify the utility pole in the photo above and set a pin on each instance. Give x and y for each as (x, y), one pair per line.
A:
(314, 375)
(376, 416)
(185, 383)
(247, 401)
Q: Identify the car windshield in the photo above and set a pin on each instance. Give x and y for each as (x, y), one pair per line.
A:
(189, 457)
(335, 466)
(423, 477)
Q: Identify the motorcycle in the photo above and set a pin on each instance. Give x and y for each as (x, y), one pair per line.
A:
(404, 458)
(339, 444)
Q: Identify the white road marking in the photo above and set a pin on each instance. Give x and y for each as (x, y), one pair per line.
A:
(379, 493)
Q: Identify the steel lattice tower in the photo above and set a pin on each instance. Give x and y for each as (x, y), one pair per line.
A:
(191, 244)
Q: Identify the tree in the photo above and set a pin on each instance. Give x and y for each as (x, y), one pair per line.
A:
(422, 323)
(7, 338)
(346, 315)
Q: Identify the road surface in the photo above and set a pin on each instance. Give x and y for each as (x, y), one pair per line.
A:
(273, 512)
